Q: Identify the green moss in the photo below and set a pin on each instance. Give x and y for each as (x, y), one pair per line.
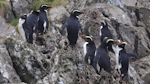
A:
(14, 22)
(4, 4)
(59, 2)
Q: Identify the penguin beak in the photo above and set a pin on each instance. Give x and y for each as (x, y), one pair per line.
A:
(82, 36)
(116, 41)
(119, 43)
(50, 7)
(21, 15)
(82, 12)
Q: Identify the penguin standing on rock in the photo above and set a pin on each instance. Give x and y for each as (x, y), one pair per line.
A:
(89, 49)
(123, 58)
(43, 22)
(20, 26)
(73, 26)
(101, 59)
(105, 32)
(31, 23)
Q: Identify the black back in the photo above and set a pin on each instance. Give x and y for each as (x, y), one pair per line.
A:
(102, 57)
(29, 24)
(91, 48)
(43, 18)
(73, 26)
(123, 59)
(105, 31)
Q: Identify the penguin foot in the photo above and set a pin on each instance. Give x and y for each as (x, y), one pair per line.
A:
(98, 75)
(122, 75)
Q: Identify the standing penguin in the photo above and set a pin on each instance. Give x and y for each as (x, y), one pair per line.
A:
(20, 26)
(105, 32)
(101, 58)
(73, 26)
(123, 58)
(89, 49)
(31, 23)
(43, 22)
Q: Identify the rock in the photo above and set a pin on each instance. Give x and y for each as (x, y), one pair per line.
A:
(7, 72)
(3, 26)
(29, 64)
(49, 61)
(17, 7)
(57, 16)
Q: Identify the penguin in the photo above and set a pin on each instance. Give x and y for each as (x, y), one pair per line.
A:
(89, 48)
(101, 59)
(123, 58)
(31, 25)
(105, 32)
(43, 22)
(21, 31)
(73, 26)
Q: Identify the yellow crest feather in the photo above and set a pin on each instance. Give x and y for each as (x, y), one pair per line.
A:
(104, 22)
(109, 40)
(75, 11)
(90, 37)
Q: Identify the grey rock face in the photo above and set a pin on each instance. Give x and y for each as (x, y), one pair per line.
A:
(49, 61)
(7, 71)
(3, 26)
(17, 7)
(29, 65)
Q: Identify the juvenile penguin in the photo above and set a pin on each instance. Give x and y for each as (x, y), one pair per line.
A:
(89, 49)
(123, 58)
(101, 59)
(43, 22)
(105, 32)
(20, 26)
(29, 25)
(73, 26)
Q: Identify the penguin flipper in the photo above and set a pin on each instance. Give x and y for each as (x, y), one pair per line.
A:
(65, 25)
(47, 23)
(86, 58)
(80, 28)
(95, 62)
(132, 55)
(110, 48)
(36, 28)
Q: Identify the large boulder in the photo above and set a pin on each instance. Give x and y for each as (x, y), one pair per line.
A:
(17, 7)
(29, 64)
(7, 72)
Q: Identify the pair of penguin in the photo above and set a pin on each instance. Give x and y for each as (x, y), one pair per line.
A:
(36, 22)
(73, 26)
(99, 57)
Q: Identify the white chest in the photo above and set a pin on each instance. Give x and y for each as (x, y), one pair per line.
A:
(84, 47)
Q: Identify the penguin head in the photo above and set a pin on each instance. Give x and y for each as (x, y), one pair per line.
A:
(87, 38)
(107, 41)
(23, 16)
(36, 12)
(120, 43)
(103, 24)
(76, 13)
(44, 7)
